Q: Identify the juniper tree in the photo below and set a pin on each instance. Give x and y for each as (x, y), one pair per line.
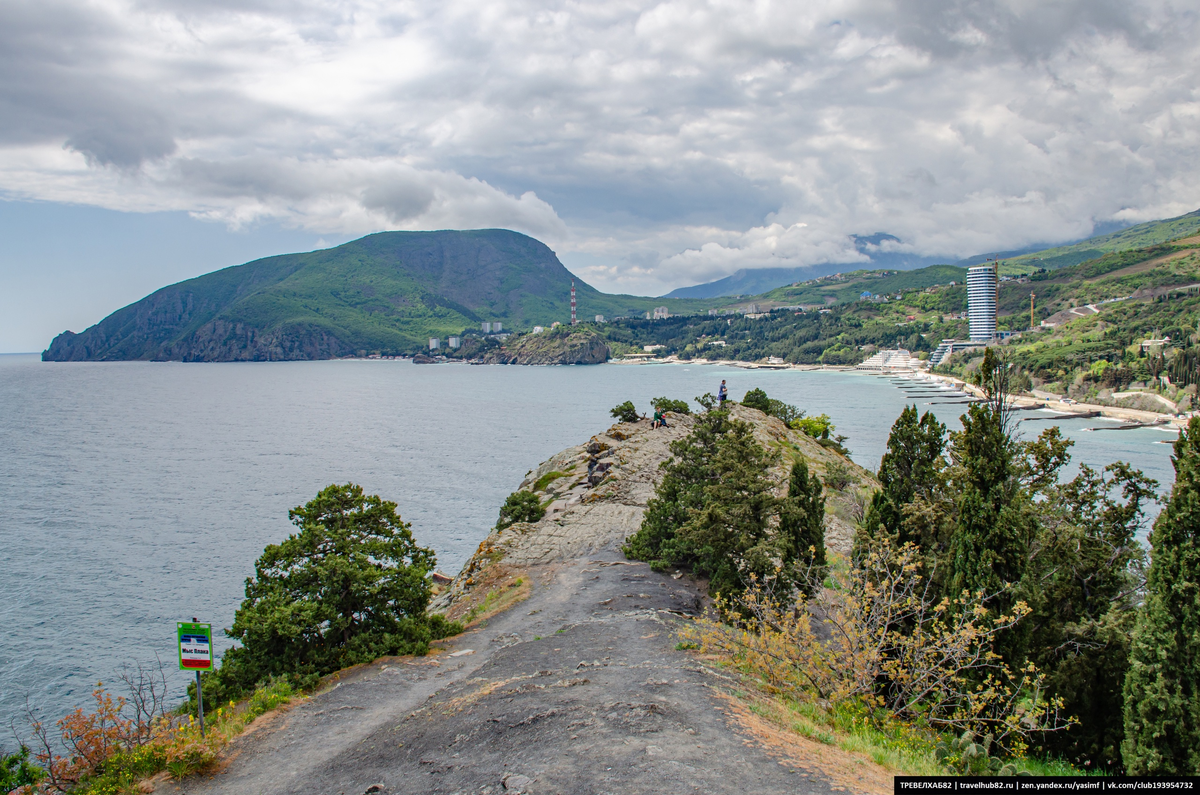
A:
(802, 526)
(1081, 582)
(349, 586)
(757, 399)
(994, 530)
(729, 538)
(680, 492)
(1162, 688)
(910, 469)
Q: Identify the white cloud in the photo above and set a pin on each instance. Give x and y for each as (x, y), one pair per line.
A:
(668, 142)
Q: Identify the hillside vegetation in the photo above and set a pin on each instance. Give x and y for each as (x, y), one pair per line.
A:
(1140, 236)
(386, 293)
(1099, 313)
(389, 293)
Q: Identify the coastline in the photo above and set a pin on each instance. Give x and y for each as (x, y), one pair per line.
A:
(1132, 417)
(569, 676)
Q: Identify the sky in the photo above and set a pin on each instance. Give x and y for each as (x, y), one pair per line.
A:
(652, 145)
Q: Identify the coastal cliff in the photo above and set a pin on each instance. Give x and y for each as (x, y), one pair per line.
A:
(386, 293)
(595, 495)
(559, 346)
(570, 677)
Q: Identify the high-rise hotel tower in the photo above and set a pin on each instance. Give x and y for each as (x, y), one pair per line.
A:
(982, 284)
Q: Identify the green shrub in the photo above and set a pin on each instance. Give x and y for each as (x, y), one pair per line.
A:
(17, 771)
(667, 404)
(818, 427)
(837, 475)
(520, 506)
(757, 399)
(784, 411)
(625, 412)
(351, 586)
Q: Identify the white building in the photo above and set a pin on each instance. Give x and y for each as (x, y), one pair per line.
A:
(487, 328)
(538, 329)
(454, 342)
(434, 342)
(497, 327)
(599, 318)
(898, 360)
(661, 313)
(981, 302)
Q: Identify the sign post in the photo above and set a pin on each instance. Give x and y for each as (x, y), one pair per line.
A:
(195, 654)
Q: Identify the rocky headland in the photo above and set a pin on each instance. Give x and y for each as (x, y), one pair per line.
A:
(568, 679)
(569, 346)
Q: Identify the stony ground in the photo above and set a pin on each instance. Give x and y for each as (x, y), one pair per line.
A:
(579, 688)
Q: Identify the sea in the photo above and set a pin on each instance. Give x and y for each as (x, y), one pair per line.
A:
(134, 495)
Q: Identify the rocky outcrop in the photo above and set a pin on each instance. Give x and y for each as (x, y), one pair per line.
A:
(596, 493)
(552, 347)
(569, 677)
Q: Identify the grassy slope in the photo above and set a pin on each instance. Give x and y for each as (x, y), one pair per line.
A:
(1139, 236)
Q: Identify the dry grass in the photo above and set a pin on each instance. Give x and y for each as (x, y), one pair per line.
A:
(496, 589)
(801, 743)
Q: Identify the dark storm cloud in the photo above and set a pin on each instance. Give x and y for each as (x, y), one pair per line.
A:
(676, 140)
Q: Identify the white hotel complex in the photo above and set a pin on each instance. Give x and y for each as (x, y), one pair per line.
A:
(982, 284)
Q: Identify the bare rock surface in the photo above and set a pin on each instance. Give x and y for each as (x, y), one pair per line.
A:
(579, 688)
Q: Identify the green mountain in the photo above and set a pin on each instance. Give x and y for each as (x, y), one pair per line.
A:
(386, 293)
(1151, 233)
(844, 288)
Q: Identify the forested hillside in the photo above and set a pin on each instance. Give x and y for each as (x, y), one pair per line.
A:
(386, 293)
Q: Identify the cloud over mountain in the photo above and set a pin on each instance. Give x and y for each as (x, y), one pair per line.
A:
(660, 142)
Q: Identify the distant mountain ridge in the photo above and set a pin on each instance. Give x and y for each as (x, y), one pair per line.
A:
(754, 281)
(387, 293)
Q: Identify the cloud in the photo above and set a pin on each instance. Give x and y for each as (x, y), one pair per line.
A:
(662, 141)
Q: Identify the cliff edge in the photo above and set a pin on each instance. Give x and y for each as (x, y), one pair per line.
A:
(577, 687)
(558, 346)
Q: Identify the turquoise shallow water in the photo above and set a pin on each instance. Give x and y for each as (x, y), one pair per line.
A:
(134, 495)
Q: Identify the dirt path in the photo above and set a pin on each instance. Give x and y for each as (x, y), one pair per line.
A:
(577, 689)
(602, 703)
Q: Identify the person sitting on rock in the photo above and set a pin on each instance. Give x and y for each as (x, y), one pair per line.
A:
(660, 419)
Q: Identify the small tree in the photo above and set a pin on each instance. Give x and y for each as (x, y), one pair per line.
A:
(1162, 688)
(910, 468)
(625, 412)
(802, 525)
(757, 399)
(784, 411)
(352, 585)
(667, 404)
(729, 538)
(17, 771)
(520, 506)
(680, 492)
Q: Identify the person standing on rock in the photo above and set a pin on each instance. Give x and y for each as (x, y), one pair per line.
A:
(721, 395)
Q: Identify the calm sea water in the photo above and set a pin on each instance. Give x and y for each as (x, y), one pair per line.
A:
(135, 495)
